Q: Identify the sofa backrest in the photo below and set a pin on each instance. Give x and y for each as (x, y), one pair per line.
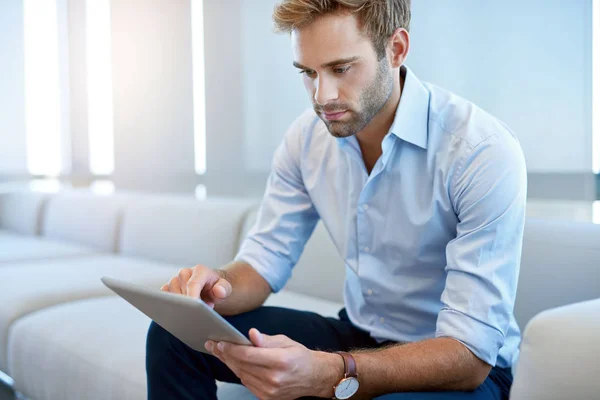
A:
(21, 211)
(560, 265)
(183, 231)
(560, 262)
(320, 271)
(84, 218)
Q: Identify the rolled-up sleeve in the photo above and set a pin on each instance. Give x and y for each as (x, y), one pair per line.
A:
(489, 191)
(286, 218)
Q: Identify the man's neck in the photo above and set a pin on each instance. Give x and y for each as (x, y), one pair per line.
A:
(371, 137)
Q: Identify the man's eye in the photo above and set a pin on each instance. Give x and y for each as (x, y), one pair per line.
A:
(341, 70)
(308, 72)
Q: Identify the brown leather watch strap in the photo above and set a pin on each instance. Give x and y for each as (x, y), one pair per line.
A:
(349, 365)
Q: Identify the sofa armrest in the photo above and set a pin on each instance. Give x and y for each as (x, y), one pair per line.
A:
(559, 354)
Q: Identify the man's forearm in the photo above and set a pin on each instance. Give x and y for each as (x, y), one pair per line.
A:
(249, 289)
(441, 364)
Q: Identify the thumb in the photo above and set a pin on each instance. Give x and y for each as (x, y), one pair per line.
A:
(259, 339)
(221, 289)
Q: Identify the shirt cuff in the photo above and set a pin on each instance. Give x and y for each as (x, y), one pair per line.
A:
(271, 267)
(483, 340)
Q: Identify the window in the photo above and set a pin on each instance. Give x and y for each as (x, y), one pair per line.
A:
(99, 86)
(200, 192)
(199, 91)
(43, 116)
(596, 86)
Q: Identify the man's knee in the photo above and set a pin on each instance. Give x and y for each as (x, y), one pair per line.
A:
(156, 337)
(159, 344)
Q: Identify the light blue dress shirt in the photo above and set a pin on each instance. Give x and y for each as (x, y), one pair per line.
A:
(431, 238)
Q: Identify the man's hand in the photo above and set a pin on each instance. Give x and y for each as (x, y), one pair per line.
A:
(200, 282)
(280, 368)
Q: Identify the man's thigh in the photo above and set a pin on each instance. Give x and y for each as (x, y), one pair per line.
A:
(312, 330)
(495, 387)
(438, 395)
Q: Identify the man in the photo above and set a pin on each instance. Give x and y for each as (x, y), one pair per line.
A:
(423, 194)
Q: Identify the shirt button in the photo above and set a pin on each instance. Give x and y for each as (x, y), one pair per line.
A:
(369, 292)
(382, 320)
(365, 207)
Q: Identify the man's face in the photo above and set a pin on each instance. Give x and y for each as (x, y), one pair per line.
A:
(347, 85)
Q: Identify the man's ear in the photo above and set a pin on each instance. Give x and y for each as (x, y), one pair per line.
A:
(398, 47)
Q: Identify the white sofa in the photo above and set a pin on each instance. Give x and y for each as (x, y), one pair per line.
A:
(64, 336)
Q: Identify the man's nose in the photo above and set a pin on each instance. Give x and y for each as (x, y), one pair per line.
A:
(326, 91)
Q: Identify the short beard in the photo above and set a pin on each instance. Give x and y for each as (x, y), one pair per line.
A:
(371, 101)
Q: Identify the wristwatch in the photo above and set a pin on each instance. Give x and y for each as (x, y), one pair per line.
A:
(348, 385)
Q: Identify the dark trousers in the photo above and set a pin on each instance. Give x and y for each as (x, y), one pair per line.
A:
(175, 371)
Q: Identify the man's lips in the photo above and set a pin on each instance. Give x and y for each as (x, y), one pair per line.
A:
(334, 116)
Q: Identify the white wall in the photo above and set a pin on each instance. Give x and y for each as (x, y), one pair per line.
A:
(224, 88)
(12, 90)
(527, 62)
(273, 92)
(80, 159)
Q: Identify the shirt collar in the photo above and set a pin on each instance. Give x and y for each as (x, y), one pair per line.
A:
(412, 115)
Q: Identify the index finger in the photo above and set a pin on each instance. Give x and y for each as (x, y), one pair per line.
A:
(200, 278)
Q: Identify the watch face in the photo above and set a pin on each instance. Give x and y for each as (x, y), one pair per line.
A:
(346, 388)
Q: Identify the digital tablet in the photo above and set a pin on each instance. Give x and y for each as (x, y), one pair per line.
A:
(190, 320)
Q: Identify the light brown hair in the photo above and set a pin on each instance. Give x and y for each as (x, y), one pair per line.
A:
(378, 19)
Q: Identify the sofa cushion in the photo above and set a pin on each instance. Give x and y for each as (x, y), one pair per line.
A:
(84, 218)
(29, 287)
(87, 349)
(320, 271)
(16, 248)
(559, 354)
(20, 211)
(183, 230)
(95, 349)
(559, 265)
(230, 391)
